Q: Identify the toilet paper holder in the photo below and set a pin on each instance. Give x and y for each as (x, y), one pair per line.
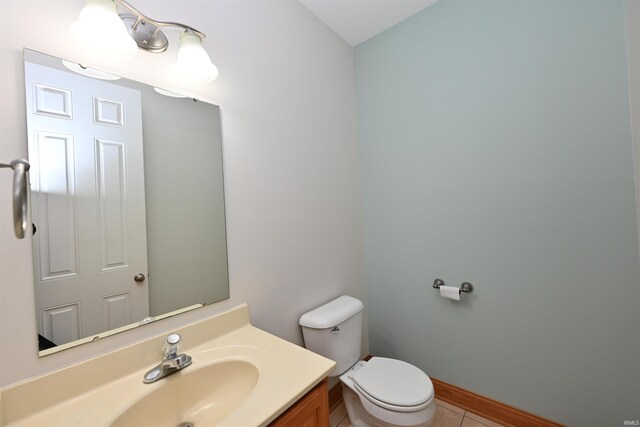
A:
(466, 287)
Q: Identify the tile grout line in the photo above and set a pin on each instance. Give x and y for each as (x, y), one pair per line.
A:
(464, 417)
(341, 420)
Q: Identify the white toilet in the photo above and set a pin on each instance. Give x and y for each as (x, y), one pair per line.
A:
(379, 393)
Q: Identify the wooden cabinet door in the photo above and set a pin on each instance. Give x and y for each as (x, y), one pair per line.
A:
(312, 410)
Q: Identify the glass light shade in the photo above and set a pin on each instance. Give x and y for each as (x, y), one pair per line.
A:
(100, 28)
(193, 61)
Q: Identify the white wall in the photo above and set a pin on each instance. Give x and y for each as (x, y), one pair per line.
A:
(287, 97)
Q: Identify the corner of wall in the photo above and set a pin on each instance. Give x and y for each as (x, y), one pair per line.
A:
(632, 15)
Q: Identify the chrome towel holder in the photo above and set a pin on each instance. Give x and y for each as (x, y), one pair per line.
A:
(466, 287)
(20, 195)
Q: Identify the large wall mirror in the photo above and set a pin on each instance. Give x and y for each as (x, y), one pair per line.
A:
(127, 202)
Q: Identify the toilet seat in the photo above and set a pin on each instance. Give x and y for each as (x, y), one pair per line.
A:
(393, 408)
(394, 384)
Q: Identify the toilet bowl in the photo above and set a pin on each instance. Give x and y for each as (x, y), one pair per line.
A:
(381, 392)
(387, 392)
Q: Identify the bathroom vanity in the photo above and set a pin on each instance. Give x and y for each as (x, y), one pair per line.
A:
(311, 410)
(240, 376)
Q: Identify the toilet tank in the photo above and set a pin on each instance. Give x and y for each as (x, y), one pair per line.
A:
(334, 330)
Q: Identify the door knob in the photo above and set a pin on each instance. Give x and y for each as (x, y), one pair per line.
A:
(139, 278)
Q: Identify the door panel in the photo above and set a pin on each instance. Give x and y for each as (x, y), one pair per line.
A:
(61, 323)
(108, 112)
(52, 101)
(54, 210)
(112, 203)
(116, 310)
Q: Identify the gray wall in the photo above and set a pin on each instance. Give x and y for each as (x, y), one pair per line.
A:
(186, 239)
(496, 148)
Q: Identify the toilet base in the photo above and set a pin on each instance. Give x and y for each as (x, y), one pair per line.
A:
(359, 416)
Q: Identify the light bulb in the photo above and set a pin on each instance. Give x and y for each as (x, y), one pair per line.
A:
(100, 28)
(193, 61)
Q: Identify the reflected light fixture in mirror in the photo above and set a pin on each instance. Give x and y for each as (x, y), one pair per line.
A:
(100, 27)
(168, 93)
(89, 72)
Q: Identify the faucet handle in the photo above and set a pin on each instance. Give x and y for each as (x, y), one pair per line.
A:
(171, 346)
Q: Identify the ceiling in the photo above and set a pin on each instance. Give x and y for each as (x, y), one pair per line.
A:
(358, 20)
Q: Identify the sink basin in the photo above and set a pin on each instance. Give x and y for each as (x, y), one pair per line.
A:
(200, 396)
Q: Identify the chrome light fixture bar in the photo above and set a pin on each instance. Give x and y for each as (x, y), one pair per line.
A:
(147, 32)
(102, 28)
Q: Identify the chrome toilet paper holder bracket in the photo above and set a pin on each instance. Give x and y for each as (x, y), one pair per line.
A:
(466, 287)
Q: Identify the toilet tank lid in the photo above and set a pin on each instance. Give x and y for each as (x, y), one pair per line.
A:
(332, 313)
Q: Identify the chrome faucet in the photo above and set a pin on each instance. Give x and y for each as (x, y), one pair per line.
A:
(171, 363)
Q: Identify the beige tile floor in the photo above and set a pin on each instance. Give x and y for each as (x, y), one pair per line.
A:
(447, 415)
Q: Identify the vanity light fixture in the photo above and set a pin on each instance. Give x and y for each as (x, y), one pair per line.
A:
(117, 35)
(100, 28)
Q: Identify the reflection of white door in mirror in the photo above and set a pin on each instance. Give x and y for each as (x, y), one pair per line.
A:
(87, 182)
